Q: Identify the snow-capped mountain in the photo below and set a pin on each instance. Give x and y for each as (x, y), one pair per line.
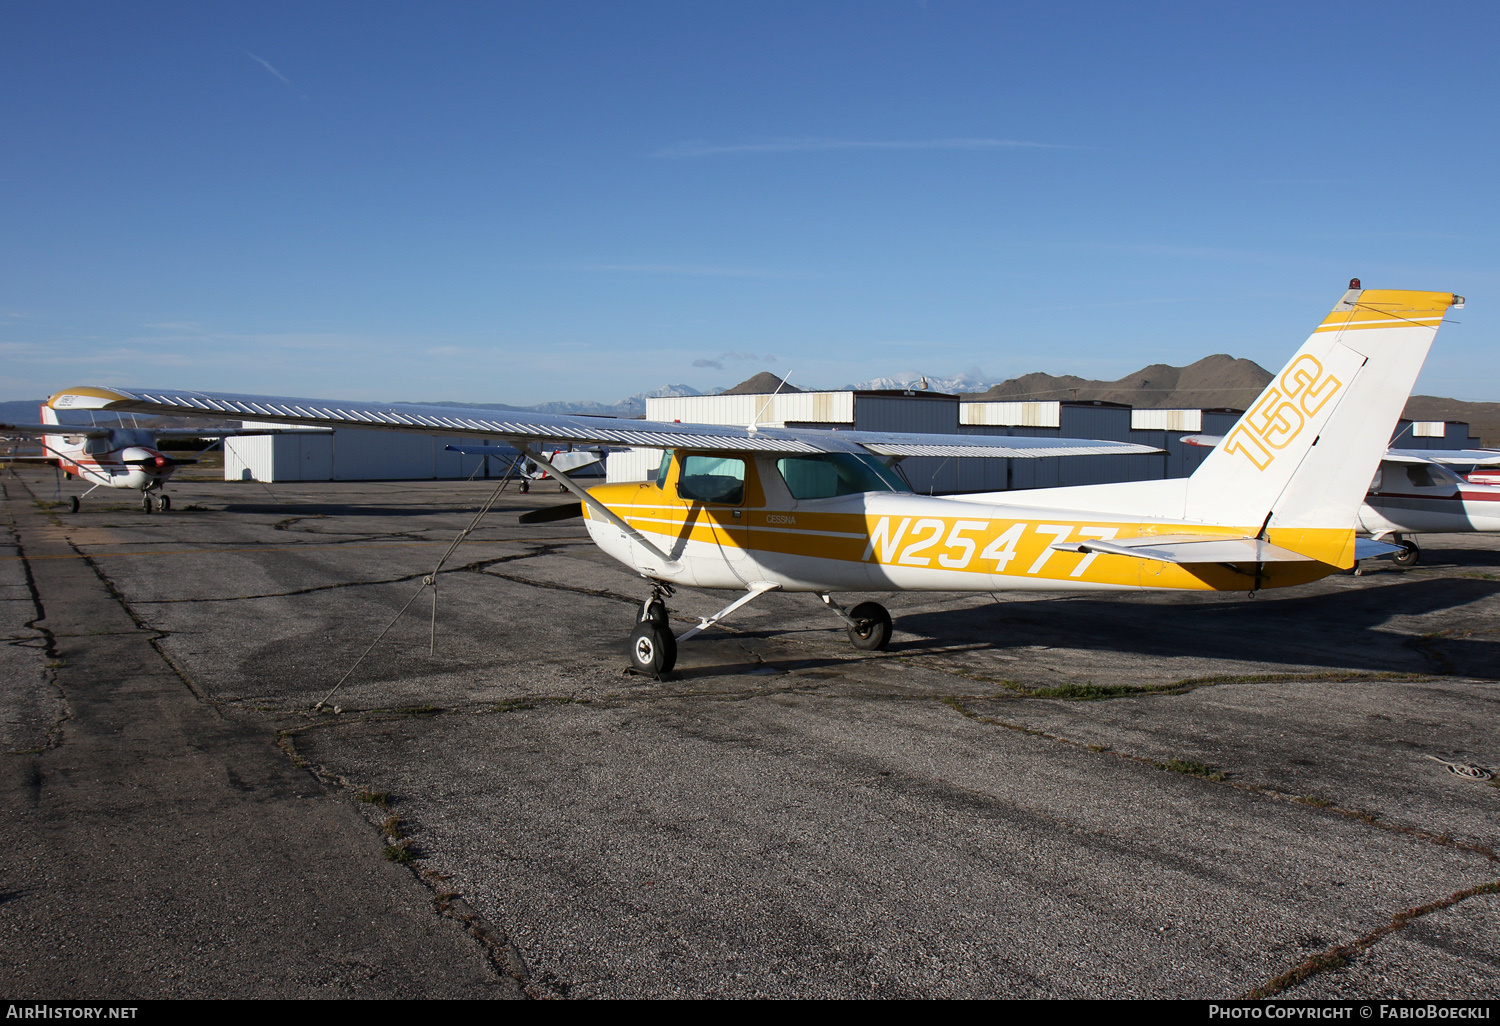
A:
(965, 382)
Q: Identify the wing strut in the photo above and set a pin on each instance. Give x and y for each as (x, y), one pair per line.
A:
(594, 504)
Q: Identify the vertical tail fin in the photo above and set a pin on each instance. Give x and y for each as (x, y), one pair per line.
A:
(1303, 455)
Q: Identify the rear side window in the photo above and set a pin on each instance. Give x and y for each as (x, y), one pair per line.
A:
(836, 473)
(712, 479)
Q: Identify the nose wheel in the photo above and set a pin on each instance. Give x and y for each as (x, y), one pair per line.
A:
(653, 650)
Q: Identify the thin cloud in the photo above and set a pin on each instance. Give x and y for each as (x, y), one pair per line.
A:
(267, 65)
(715, 364)
(702, 149)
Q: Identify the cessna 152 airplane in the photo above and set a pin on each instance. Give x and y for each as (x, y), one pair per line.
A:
(757, 509)
(113, 456)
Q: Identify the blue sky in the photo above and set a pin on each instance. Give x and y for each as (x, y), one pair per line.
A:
(520, 202)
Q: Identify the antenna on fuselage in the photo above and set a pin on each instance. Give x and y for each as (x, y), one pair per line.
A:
(755, 421)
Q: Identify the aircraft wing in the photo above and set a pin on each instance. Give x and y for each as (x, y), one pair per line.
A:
(1458, 457)
(187, 432)
(38, 430)
(537, 427)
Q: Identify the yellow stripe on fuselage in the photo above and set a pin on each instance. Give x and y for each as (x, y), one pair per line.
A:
(961, 542)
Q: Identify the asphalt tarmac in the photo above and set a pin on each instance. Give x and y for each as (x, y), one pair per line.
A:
(1175, 796)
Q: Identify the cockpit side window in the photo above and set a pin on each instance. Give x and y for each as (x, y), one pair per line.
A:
(712, 479)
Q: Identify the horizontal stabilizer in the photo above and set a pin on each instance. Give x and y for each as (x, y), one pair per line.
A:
(1190, 548)
(1369, 548)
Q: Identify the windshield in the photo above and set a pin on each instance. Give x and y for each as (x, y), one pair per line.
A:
(837, 473)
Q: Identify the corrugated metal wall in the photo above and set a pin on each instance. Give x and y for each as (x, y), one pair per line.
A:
(349, 454)
(809, 407)
(1450, 434)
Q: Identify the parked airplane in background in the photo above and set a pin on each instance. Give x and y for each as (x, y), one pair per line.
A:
(588, 462)
(759, 509)
(114, 456)
(1417, 491)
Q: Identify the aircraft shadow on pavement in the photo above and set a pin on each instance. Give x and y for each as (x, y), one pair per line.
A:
(1339, 631)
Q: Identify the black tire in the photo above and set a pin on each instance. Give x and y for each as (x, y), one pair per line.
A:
(562, 487)
(874, 631)
(73, 504)
(656, 612)
(1408, 555)
(652, 650)
(146, 502)
(525, 487)
(165, 502)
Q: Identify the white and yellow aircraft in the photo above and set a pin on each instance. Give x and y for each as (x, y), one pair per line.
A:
(758, 509)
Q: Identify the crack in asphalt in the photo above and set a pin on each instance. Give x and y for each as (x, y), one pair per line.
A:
(501, 955)
(53, 735)
(1341, 955)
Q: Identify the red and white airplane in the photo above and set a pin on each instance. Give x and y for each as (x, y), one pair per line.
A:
(1416, 491)
(113, 456)
(756, 509)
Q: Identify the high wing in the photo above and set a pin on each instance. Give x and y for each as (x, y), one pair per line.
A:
(38, 430)
(529, 427)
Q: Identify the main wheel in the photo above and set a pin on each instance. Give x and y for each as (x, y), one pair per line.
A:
(146, 501)
(73, 504)
(1408, 555)
(652, 649)
(525, 487)
(873, 632)
(166, 503)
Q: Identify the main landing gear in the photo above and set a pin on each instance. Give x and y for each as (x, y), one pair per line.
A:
(653, 649)
(1409, 554)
